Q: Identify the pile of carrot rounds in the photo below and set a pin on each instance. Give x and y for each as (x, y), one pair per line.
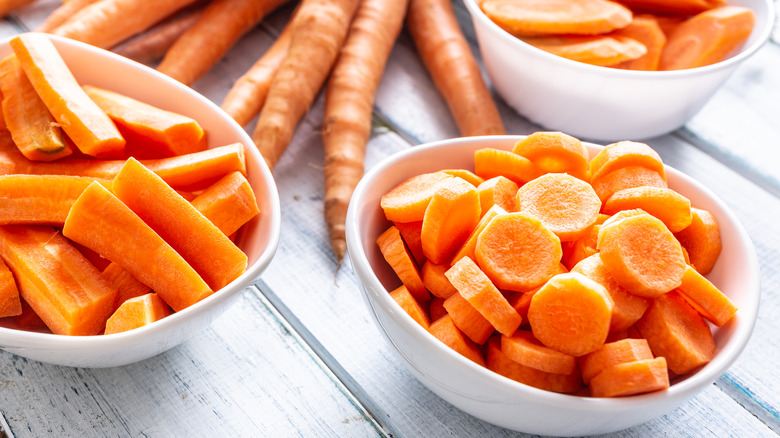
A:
(568, 273)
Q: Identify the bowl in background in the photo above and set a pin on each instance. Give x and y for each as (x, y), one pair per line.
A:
(602, 103)
(258, 239)
(490, 396)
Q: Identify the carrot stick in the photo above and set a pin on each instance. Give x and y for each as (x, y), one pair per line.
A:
(137, 312)
(702, 240)
(611, 354)
(631, 378)
(449, 60)
(10, 301)
(406, 300)
(222, 23)
(451, 215)
(349, 99)
(107, 22)
(445, 330)
(62, 13)
(319, 29)
(7, 6)
(152, 45)
(228, 203)
(246, 97)
(523, 348)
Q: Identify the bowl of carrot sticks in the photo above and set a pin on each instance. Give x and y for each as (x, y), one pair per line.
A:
(135, 211)
(549, 285)
(610, 70)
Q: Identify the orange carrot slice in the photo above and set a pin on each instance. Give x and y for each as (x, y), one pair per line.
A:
(625, 178)
(555, 152)
(39, 199)
(126, 285)
(624, 154)
(499, 191)
(146, 256)
(584, 246)
(677, 332)
(675, 7)
(707, 38)
(534, 17)
(642, 255)
(137, 312)
(701, 239)
(469, 247)
(392, 247)
(473, 285)
(435, 281)
(603, 50)
(410, 232)
(706, 298)
(468, 319)
(571, 314)
(467, 175)
(444, 329)
(631, 378)
(407, 201)
(404, 298)
(672, 208)
(647, 31)
(10, 301)
(611, 354)
(228, 203)
(58, 282)
(84, 122)
(450, 217)
(566, 205)
(524, 348)
(490, 163)
(436, 308)
(517, 252)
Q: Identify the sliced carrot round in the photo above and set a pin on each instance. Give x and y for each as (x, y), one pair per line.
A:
(545, 17)
(624, 154)
(604, 50)
(625, 178)
(524, 348)
(490, 163)
(393, 249)
(467, 175)
(647, 31)
(611, 354)
(702, 240)
(631, 378)
(499, 191)
(406, 300)
(407, 201)
(672, 208)
(555, 152)
(451, 215)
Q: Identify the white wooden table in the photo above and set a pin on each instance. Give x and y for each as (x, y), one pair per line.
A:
(298, 355)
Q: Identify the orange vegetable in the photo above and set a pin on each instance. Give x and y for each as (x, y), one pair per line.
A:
(571, 314)
(151, 46)
(681, 7)
(490, 163)
(517, 252)
(624, 154)
(472, 178)
(706, 298)
(534, 17)
(407, 201)
(470, 245)
(410, 232)
(468, 319)
(672, 208)
(585, 246)
(604, 50)
(146, 255)
(647, 31)
(444, 329)
(28, 320)
(397, 256)
(448, 59)
(702, 240)
(499, 191)
(404, 298)
(30, 123)
(437, 309)
(150, 132)
(555, 152)
(228, 203)
(522, 347)
(435, 281)
(611, 354)
(137, 312)
(675, 330)
(58, 282)
(450, 217)
(127, 286)
(631, 378)
(627, 177)
(85, 123)
(10, 302)
(62, 13)
(566, 205)
(7, 6)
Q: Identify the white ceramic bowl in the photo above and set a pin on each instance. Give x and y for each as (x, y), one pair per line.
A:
(258, 239)
(601, 103)
(490, 396)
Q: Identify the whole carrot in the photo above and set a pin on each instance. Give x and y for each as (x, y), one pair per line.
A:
(7, 6)
(221, 25)
(152, 45)
(318, 32)
(349, 104)
(62, 14)
(447, 56)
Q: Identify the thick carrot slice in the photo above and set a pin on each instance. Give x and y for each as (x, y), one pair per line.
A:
(30, 123)
(468, 248)
(445, 330)
(702, 241)
(566, 205)
(706, 298)
(490, 163)
(518, 252)
(625, 178)
(642, 255)
(673, 7)
(10, 301)
(150, 132)
(521, 301)
(468, 319)
(228, 203)
(467, 175)
(546, 17)
(435, 281)
(631, 378)
(498, 362)
(584, 246)
(126, 285)
(500, 191)
(58, 282)
(437, 309)
(647, 31)
(84, 122)
(452, 214)
(524, 348)
(624, 154)
(555, 152)
(473, 285)
(672, 208)
(410, 232)
(707, 38)
(628, 308)
(392, 247)
(407, 201)
(676, 331)
(404, 298)
(137, 312)
(611, 354)
(603, 50)
(571, 314)
(145, 255)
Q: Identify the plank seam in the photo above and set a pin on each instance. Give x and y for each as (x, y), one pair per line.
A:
(5, 429)
(761, 410)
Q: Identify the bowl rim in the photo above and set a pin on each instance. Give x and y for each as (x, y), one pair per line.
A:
(762, 37)
(21, 339)
(680, 390)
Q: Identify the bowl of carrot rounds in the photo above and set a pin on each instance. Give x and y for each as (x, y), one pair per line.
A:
(135, 211)
(610, 70)
(552, 286)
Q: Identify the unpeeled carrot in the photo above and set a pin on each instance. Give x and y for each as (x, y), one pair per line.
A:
(532, 18)
(7, 6)
(702, 240)
(392, 247)
(152, 45)
(404, 298)
(706, 298)
(672, 208)
(62, 13)
(611, 354)
(137, 312)
(450, 217)
(449, 61)
(444, 329)
(10, 301)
